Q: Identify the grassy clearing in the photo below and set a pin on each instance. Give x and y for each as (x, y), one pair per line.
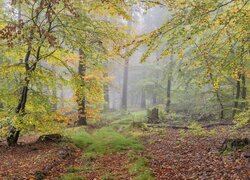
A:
(103, 141)
(119, 132)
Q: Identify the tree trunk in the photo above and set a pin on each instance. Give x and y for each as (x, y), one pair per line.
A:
(54, 91)
(153, 116)
(221, 105)
(106, 93)
(13, 136)
(82, 119)
(244, 91)
(54, 94)
(168, 95)
(154, 100)
(143, 99)
(170, 74)
(62, 97)
(217, 96)
(237, 96)
(125, 73)
(125, 86)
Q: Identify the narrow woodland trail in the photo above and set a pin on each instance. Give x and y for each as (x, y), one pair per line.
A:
(177, 157)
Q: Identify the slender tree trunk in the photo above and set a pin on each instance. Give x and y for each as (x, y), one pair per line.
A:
(54, 94)
(218, 98)
(62, 96)
(237, 95)
(125, 73)
(244, 91)
(82, 119)
(106, 93)
(154, 100)
(143, 99)
(216, 93)
(221, 105)
(125, 86)
(54, 91)
(168, 95)
(169, 85)
(13, 134)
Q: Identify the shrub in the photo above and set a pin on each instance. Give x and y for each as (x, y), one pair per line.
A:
(242, 119)
(197, 129)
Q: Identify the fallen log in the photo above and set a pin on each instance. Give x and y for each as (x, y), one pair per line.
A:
(219, 124)
(187, 127)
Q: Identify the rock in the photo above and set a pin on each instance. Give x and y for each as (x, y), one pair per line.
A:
(247, 155)
(64, 153)
(234, 144)
(39, 175)
(50, 138)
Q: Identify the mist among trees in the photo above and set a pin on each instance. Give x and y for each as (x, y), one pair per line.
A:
(117, 89)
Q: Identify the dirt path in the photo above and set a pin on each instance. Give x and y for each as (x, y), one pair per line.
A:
(176, 157)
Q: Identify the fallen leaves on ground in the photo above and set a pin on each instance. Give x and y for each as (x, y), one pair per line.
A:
(21, 162)
(172, 155)
(190, 157)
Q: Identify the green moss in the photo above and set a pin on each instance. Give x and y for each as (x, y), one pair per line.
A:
(73, 170)
(140, 169)
(71, 177)
(103, 140)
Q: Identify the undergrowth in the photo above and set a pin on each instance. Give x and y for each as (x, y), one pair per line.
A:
(139, 168)
(103, 141)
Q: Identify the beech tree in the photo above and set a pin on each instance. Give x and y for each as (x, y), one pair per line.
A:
(48, 36)
(211, 36)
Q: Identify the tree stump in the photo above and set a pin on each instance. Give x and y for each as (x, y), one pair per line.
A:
(234, 144)
(153, 116)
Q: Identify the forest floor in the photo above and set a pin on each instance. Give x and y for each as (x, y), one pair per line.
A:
(167, 154)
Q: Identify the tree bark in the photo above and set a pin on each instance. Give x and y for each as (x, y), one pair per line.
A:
(54, 91)
(13, 134)
(244, 91)
(143, 99)
(106, 93)
(154, 100)
(217, 94)
(82, 119)
(168, 95)
(169, 84)
(125, 86)
(237, 96)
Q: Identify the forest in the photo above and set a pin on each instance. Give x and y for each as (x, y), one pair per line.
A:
(124, 89)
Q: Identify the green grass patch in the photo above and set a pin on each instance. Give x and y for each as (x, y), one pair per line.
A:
(108, 176)
(71, 177)
(73, 170)
(139, 168)
(102, 141)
